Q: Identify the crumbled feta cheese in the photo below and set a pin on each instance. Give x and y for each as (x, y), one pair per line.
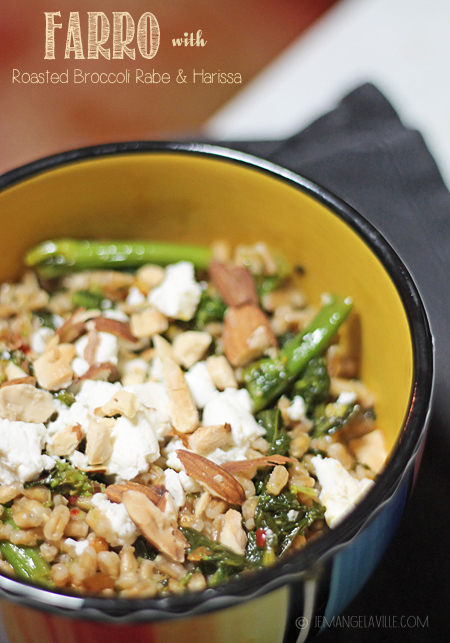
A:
(135, 297)
(235, 407)
(118, 315)
(189, 484)
(39, 339)
(153, 395)
(178, 295)
(135, 444)
(133, 371)
(200, 384)
(297, 410)
(174, 486)
(21, 446)
(233, 454)
(122, 530)
(94, 393)
(347, 397)
(106, 351)
(292, 515)
(75, 547)
(340, 491)
(173, 460)
(156, 370)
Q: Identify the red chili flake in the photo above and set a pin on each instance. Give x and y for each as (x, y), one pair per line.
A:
(72, 500)
(260, 537)
(74, 512)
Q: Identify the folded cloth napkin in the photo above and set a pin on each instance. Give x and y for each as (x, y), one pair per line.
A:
(363, 153)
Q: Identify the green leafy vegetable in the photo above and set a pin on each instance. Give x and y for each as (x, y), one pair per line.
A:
(331, 417)
(215, 560)
(66, 480)
(88, 299)
(314, 384)
(64, 396)
(269, 378)
(26, 561)
(211, 308)
(58, 257)
(272, 421)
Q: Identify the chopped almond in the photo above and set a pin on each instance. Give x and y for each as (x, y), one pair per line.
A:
(207, 438)
(246, 334)
(25, 403)
(150, 275)
(66, 441)
(232, 534)
(115, 491)
(147, 323)
(155, 526)
(98, 440)
(114, 327)
(190, 346)
(122, 403)
(235, 283)
(53, 369)
(221, 372)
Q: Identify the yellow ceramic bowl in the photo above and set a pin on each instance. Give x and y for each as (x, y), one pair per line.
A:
(196, 194)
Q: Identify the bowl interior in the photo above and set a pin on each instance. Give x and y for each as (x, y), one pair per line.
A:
(197, 199)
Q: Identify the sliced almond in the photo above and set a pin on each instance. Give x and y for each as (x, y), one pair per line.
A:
(190, 346)
(105, 372)
(53, 369)
(214, 478)
(151, 275)
(246, 334)
(73, 327)
(14, 372)
(238, 466)
(235, 283)
(116, 491)
(183, 412)
(122, 403)
(90, 350)
(20, 380)
(207, 438)
(148, 323)
(25, 403)
(114, 327)
(98, 440)
(155, 526)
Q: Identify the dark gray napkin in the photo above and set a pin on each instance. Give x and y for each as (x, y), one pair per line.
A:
(363, 153)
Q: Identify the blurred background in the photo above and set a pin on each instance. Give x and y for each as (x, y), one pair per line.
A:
(42, 119)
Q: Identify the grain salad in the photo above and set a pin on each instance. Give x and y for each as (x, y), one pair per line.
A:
(173, 416)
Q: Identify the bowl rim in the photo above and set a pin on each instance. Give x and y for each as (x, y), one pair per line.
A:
(401, 459)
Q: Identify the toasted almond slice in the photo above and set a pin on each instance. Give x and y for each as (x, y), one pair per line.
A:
(53, 369)
(207, 438)
(122, 403)
(106, 372)
(115, 491)
(184, 414)
(237, 466)
(114, 327)
(155, 526)
(235, 283)
(246, 334)
(73, 327)
(90, 350)
(214, 478)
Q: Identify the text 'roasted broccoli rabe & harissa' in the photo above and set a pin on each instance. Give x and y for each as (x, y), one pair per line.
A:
(173, 416)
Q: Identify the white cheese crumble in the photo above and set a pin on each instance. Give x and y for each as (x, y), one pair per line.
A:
(135, 444)
(200, 384)
(235, 407)
(122, 531)
(292, 515)
(178, 294)
(21, 446)
(347, 397)
(106, 351)
(39, 339)
(340, 491)
(153, 395)
(76, 547)
(297, 409)
(174, 486)
(135, 297)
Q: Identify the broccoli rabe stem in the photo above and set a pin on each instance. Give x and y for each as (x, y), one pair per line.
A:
(269, 378)
(56, 257)
(26, 561)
